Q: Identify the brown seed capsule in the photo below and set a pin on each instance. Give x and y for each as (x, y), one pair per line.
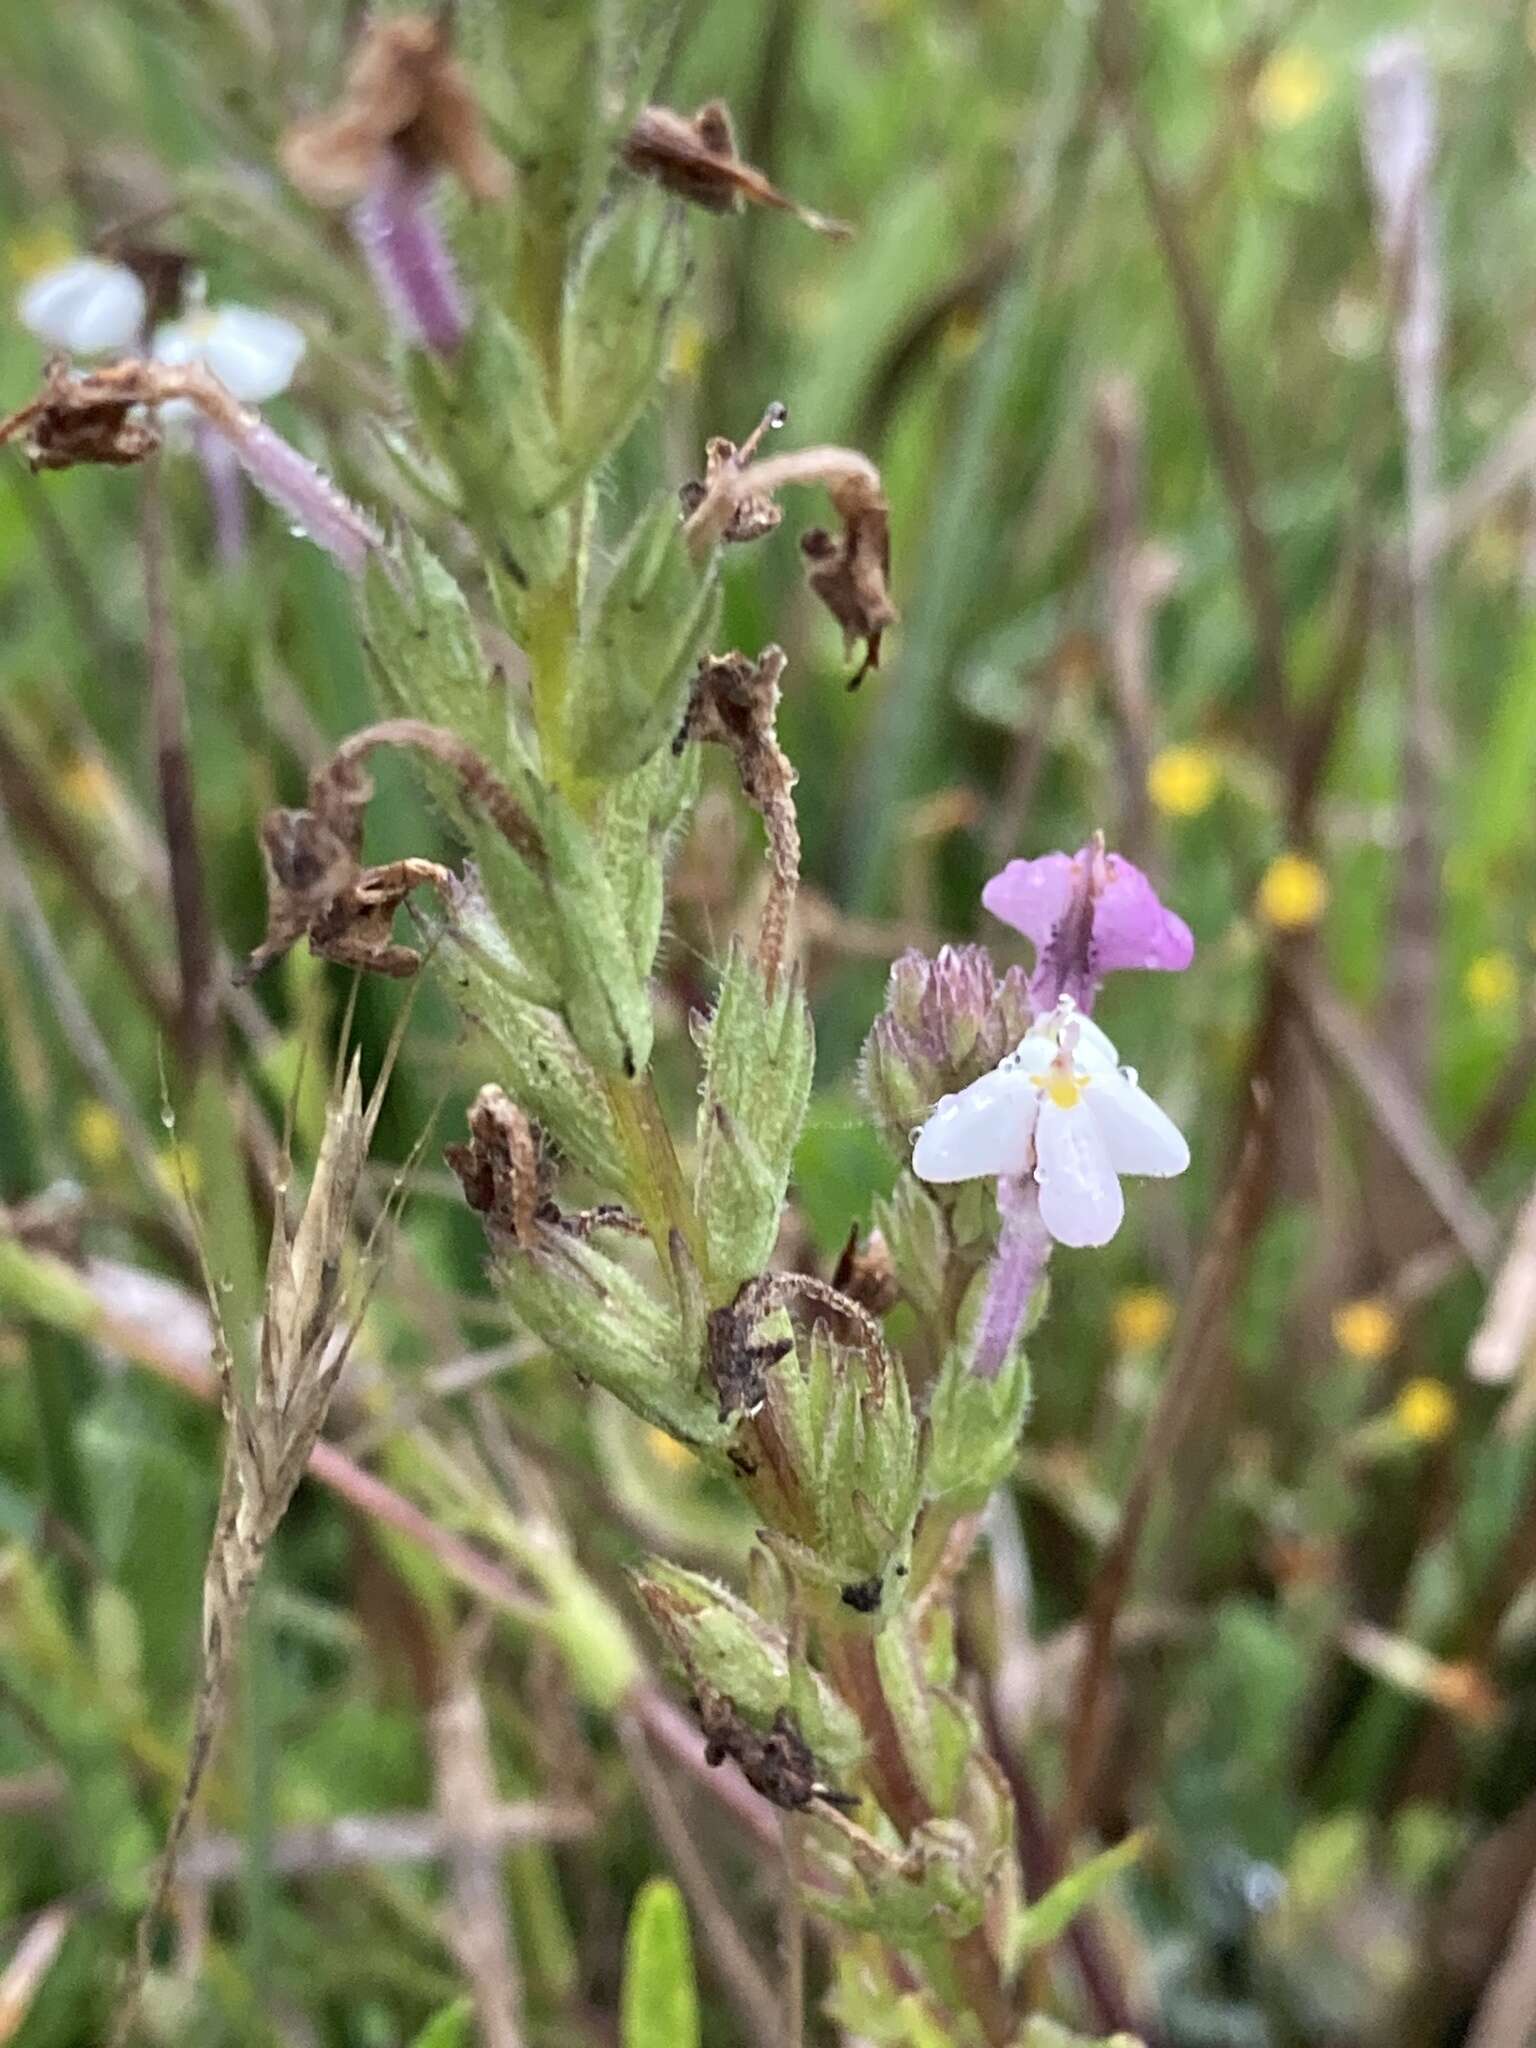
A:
(696, 158)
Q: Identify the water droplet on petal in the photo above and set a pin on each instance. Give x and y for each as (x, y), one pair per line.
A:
(1131, 1078)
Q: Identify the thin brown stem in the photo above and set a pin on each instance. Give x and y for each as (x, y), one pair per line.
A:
(1196, 1357)
(197, 1009)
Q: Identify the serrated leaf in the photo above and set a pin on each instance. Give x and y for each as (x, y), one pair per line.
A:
(758, 1054)
(605, 1000)
(486, 416)
(427, 657)
(641, 646)
(631, 268)
(597, 1316)
(639, 820)
(659, 2005)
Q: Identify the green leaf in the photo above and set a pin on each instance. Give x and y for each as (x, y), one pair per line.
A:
(452, 2026)
(642, 646)
(606, 1001)
(1037, 1926)
(631, 269)
(758, 1055)
(659, 2005)
(598, 1317)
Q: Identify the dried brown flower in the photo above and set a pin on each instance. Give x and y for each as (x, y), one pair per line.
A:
(865, 1274)
(317, 885)
(851, 572)
(405, 92)
(505, 1170)
(734, 703)
(318, 888)
(696, 158)
(84, 417)
(735, 1360)
(779, 1765)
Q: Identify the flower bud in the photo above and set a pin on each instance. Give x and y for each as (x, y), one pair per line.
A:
(946, 1023)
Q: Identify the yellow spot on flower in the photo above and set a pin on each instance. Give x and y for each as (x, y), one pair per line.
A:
(1065, 1089)
(1365, 1330)
(1491, 982)
(1182, 780)
(687, 350)
(98, 1135)
(1293, 894)
(30, 255)
(666, 1450)
(179, 1171)
(1141, 1318)
(1425, 1410)
(1290, 88)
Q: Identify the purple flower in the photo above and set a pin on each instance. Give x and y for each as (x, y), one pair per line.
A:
(412, 265)
(1087, 914)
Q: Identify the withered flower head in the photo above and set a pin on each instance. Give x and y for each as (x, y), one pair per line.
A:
(734, 703)
(751, 513)
(850, 572)
(864, 1272)
(405, 96)
(696, 158)
(505, 1170)
(318, 888)
(83, 417)
(779, 1765)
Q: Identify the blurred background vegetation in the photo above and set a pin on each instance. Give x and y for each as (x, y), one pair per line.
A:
(1087, 369)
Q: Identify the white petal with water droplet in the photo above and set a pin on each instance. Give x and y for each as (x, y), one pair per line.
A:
(1080, 1198)
(987, 1128)
(86, 306)
(1139, 1137)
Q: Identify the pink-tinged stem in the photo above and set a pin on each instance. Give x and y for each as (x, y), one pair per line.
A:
(305, 495)
(226, 493)
(413, 268)
(1023, 1249)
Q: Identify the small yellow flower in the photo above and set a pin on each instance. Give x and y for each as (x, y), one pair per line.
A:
(1182, 780)
(1141, 1318)
(687, 350)
(1290, 88)
(179, 1170)
(98, 1135)
(666, 1450)
(1293, 894)
(86, 782)
(1425, 1410)
(1365, 1330)
(1491, 982)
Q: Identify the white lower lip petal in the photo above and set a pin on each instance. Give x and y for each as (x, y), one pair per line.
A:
(986, 1129)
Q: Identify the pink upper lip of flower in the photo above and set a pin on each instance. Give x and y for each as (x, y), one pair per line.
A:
(1131, 928)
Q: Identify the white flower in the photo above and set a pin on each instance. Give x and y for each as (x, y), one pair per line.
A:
(1061, 1107)
(253, 354)
(86, 305)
